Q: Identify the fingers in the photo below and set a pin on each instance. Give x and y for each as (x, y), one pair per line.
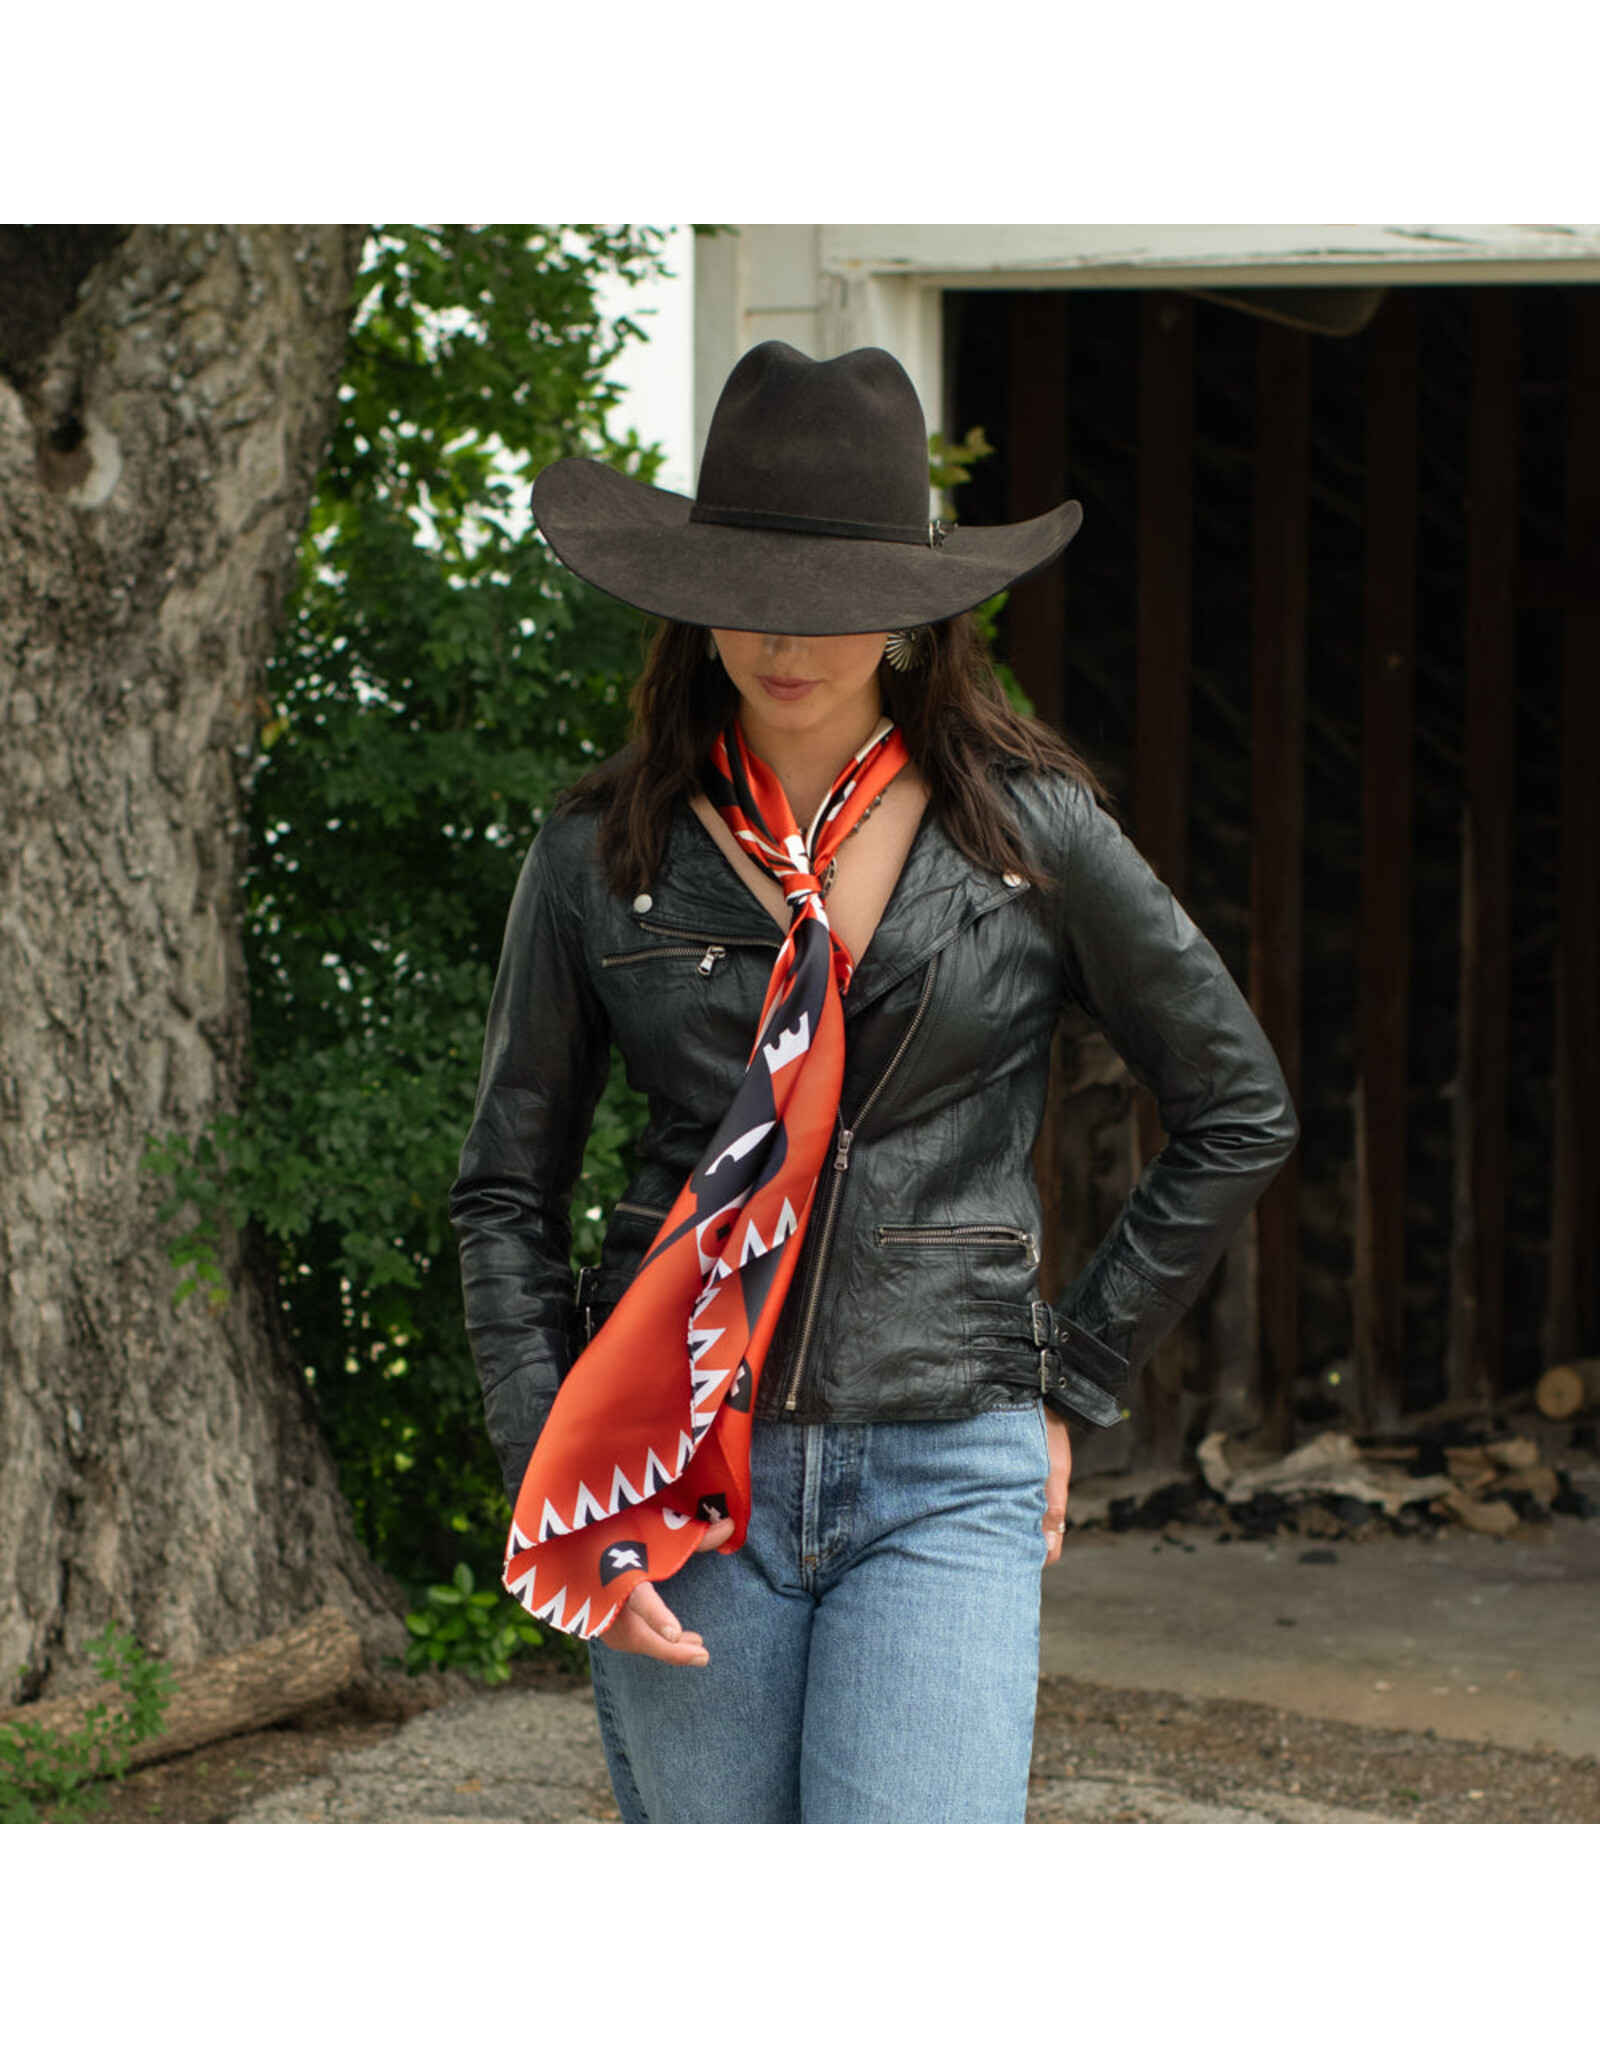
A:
(647, 1627)
(1055, 1492)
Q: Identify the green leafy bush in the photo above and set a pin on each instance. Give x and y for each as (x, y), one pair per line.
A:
(45, 1776)
(459, 1628)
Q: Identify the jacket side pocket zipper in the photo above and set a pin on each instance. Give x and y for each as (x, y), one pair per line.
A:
(835, 1195)
(997, 1235)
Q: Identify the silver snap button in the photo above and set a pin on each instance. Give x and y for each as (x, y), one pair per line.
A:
(1012, 881)
(641, 904)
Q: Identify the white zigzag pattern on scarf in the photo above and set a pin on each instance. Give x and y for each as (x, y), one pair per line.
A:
(586, 1509)
(554, 1608)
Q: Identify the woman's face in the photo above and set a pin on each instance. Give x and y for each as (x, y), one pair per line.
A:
(790, 688)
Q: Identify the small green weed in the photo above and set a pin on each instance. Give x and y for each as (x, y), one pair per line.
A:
(44, 1776)
(460, 1628)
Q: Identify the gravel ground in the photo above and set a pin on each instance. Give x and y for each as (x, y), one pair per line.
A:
(528, 1753)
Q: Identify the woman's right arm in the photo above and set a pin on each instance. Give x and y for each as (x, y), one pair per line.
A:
(545, 1059)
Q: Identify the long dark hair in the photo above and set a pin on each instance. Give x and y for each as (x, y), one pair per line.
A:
(958, 725)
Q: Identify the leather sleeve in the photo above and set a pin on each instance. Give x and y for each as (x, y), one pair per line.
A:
(545, 1058)
(1132, 959)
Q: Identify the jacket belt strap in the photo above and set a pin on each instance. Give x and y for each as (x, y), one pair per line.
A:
(1059, 1379)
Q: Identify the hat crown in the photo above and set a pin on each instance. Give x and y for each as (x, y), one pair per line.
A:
(837, 447)
(812, 517)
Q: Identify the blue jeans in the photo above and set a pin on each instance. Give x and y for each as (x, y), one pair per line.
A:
(874, 1645)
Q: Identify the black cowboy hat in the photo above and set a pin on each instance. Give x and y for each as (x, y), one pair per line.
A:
(811, 517)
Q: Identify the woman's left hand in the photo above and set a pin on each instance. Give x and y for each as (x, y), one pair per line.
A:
(1055, 1492)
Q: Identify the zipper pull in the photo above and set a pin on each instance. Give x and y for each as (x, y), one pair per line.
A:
(712, 955)
(841, 1158)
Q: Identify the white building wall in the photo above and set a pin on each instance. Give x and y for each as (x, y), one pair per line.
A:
(827, 288)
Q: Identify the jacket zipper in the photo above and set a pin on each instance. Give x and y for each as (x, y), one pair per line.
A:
(641, 1209)
(841, 1166)
(705, 948)
(958, 1234)
(706, 957)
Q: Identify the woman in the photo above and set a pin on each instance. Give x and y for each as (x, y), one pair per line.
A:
(798, 1469)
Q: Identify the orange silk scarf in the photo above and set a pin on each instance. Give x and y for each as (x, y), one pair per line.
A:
(649, 1437)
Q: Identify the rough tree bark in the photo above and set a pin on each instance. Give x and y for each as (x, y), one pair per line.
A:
(164, 399)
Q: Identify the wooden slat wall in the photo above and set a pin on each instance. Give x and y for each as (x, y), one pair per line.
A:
(1036, 444)
(1572, 1328)
(1478, 1257)
(1161, 738)
(1392, 515)
(1166, 552)
(1390, 578)
(1037, 459)
(1278, 687)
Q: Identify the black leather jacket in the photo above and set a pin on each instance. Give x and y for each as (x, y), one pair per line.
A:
(915, 1296)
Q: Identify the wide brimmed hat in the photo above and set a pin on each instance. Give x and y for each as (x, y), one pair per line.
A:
(811, 516)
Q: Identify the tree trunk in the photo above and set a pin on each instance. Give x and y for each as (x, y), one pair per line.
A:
(165, 395)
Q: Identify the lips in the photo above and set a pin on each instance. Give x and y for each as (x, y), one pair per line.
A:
(787, 689)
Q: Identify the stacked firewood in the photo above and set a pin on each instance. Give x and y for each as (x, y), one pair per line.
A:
(1493, 1483)
(1498, 1486)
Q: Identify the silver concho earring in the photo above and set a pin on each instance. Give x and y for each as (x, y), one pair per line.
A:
(907, 648)
(712, 653)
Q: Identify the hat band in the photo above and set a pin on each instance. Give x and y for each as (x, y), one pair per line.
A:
(928, 535)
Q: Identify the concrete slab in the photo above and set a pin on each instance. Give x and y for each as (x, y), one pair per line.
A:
(1472, 1637)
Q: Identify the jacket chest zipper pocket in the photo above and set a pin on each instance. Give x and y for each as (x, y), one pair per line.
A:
(934, 1235)
(704, 950)
(705, 957)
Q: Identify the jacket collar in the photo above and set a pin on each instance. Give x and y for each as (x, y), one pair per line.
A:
(938, 894)
(940, 891)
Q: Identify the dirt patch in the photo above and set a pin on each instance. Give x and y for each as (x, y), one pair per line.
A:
(1228, 1753)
